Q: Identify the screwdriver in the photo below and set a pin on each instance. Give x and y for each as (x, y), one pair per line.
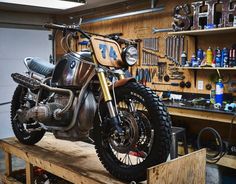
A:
(171, 84)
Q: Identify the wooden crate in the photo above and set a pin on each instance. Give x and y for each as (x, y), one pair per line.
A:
(77, 162)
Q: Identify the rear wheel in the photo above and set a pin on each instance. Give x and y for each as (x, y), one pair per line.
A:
(146, 141)
(21, 99)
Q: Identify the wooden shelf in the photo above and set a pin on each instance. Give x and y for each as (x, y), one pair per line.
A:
(207, 68)
(223, 30)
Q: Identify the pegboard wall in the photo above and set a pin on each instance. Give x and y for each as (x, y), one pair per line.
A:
(153, 53)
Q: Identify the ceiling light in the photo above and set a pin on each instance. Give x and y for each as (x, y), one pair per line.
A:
(52, 4)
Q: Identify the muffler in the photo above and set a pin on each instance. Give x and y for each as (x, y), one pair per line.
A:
(33, 84)
(25, 81)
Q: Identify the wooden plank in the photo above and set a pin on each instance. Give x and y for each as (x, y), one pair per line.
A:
(186, 169)
(211, 116)
(223, 30)
(228, 161)
(8, 163)
(8, 180)
(68, 160)
(29, 173)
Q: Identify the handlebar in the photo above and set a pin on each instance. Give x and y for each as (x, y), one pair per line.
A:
(54, 26)
(72, 28)
(76, 28)
(116, 37)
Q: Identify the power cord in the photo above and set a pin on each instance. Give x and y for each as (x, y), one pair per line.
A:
(223, 147)
(220, 152)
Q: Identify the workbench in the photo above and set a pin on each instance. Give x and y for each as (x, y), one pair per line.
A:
(199, 112)
(214, 116)
(77, 162)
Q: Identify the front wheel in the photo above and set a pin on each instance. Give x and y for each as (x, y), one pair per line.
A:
(147, 137)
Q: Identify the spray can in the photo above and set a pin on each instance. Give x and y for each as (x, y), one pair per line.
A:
(194, 62)
(234, 57)
(218, 57)
(183, 58)
(209, 56)
(219, 92)
(200, 56)
(230, 57)
(225, 58)
(234, 23)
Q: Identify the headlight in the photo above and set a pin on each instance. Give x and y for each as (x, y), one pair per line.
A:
(130, 55)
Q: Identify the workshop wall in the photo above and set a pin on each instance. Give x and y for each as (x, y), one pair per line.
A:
(140, 27)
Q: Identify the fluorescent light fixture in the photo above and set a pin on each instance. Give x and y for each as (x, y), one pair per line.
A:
(52, 4)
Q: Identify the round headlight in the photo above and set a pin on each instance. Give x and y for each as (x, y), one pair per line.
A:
(130, 55)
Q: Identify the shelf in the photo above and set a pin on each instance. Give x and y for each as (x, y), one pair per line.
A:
(205, 31)
(207, 68)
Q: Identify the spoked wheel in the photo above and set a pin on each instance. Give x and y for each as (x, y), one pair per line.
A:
(21, 99)
(146, 139)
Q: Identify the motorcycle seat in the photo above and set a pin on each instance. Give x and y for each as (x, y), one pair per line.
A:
(40, 66)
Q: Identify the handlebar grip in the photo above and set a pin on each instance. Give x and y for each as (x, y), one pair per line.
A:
(54, 26)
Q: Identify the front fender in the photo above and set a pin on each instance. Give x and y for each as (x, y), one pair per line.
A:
(122, 82)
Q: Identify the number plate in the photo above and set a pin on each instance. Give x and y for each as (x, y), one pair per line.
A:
(107, 51)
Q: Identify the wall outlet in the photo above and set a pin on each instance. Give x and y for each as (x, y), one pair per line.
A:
(200, 85)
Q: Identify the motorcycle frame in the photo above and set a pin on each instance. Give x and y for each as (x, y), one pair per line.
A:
(104, 87)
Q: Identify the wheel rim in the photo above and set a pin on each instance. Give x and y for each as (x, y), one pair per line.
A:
(140, 145)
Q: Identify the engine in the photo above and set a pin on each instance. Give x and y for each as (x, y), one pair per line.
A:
(84, 119)
(45, 113)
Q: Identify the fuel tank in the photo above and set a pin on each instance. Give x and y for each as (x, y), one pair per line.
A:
(73, 69)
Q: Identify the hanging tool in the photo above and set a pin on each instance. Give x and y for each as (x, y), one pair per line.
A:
(188, 84)
(208, 86)
(195, 78)
(156, 30)
(166, 78)
(170, 84)
(182, 84)
(178, 77)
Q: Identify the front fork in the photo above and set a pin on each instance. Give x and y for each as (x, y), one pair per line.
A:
(115, 120)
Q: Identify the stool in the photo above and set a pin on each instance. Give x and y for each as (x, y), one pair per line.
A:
(178, 134)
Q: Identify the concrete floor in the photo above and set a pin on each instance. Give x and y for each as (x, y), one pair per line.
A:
(214, 174)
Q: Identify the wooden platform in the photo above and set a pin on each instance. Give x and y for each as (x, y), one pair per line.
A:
(77, 162)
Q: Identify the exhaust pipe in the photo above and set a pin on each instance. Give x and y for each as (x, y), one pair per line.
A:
(26, 81)
(33, 84)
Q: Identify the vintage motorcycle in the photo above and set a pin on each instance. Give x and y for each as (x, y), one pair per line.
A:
(87, 95)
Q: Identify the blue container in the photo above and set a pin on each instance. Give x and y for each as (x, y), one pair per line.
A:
(218, 57)
(194, 62)
(225, 57)
(219, 92)
(200, 56)
(183, 58)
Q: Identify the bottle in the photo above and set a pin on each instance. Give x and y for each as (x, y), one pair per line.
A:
(194, 62)
(219, 92)
(234, 24)
(231, 57)
(200, 56)
(183, 58)
(218, 57)
(213, 96)
(209, 56)
(234, 57)
(225, 57)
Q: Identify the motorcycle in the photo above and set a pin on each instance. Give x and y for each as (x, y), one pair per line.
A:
(87, 94)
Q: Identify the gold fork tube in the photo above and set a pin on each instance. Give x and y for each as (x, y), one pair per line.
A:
(105, 89)
(121, 76)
